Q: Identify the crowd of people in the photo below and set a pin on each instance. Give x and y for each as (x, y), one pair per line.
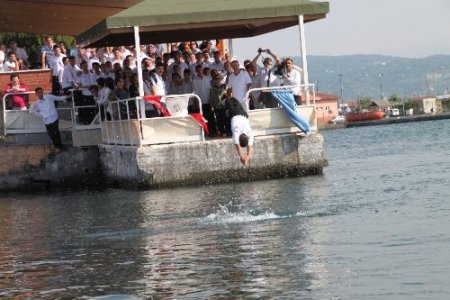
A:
(100, 75)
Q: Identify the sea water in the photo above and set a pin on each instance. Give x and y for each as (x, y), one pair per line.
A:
(375, 225)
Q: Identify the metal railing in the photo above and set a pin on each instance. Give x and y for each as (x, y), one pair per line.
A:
(303, 88)
(16, 121)
(266, 121)
(92, 112)
(129, 125)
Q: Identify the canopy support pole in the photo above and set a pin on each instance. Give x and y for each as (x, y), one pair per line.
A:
(301, 26)
(137, 45)
(230, 47)
(137, 48)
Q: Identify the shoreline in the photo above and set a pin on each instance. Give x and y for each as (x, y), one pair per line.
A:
(402, 119)
(391, 120)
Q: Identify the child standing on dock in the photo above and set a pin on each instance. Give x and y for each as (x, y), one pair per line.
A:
(45, 108)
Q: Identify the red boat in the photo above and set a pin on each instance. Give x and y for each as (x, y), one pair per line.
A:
(366, 116)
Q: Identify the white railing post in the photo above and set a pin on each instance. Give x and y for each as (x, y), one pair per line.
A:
(137, 45)
(4, 113)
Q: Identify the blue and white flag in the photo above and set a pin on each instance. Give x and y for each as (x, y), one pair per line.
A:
(286, 99)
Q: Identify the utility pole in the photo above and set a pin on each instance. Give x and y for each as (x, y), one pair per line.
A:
(342, 93)
(404, 112)
(381, 85)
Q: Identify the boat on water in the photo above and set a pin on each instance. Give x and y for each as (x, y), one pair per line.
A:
(365, 116)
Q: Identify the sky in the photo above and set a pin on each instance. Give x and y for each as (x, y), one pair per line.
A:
(407, 28)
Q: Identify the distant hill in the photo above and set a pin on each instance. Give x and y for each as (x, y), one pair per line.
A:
(360, 75)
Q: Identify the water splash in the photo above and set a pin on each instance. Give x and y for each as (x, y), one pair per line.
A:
(229, 214)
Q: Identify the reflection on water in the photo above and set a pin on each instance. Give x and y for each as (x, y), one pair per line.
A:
(221, 242)
(369, 228)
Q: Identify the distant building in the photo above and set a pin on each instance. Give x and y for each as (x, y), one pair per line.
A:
(379, 105)
(326, 107)
(428, 105)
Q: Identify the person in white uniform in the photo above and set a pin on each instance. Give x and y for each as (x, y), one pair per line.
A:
(241, 131)
(45, 108)
(239, 82)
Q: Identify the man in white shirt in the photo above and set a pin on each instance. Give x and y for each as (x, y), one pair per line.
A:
(69, 76)
(158, 86)
(116, 57)
(217, 64)
(12, 64)
(239, 82)
(86, 79)
(292, 76)
(83, 96)
(96, 71)
(94, 58)
(124, 52)
(242, 133)
(47, 52)
(142, 56)
(57, 65)
(267, 77)
(45, 108)
(186, 85)
(177, 62)
(148, 64)
(201, 85)
(156, 49)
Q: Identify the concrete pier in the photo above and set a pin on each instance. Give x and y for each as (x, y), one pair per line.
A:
(33, 167)
(213, 161)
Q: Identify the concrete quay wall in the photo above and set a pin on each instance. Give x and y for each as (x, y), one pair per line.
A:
(30, 167)
(213, 161)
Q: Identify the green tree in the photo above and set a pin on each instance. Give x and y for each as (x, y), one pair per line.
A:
(410, 104)
(395, 99)
(32, 43)
(364, 102)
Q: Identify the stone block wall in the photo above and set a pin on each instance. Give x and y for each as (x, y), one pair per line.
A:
(275, 156)
(24, 168)
(15, 159)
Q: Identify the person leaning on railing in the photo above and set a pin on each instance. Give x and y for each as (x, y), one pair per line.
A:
(16, 89)
(45, 108)
(292, 76)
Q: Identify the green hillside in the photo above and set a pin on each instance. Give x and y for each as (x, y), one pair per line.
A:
(361, 75)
